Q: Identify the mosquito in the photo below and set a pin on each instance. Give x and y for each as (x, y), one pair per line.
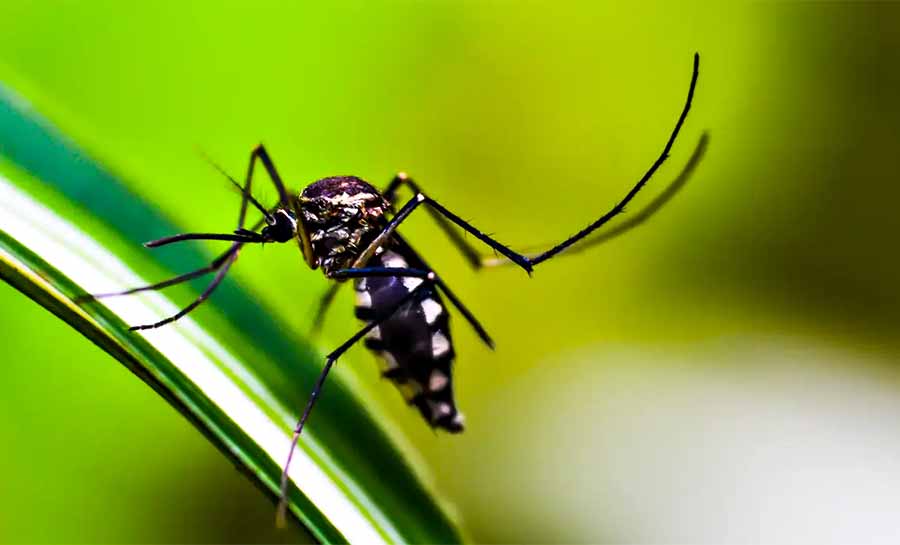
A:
(348, 228)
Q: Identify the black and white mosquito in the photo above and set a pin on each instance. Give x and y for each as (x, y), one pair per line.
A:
(348, 228)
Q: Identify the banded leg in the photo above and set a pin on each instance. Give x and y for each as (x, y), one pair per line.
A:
(523, 261)
(329, 362)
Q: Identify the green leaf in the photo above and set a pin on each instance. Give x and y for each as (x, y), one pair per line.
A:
(239, 379)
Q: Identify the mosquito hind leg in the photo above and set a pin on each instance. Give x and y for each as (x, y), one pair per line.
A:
(635, 220)
(525, 262)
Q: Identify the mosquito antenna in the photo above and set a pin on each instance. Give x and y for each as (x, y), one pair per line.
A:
(244, 192)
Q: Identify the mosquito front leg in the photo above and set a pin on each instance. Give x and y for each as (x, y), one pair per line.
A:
(214, 266)
(203, 296)
(260, 153)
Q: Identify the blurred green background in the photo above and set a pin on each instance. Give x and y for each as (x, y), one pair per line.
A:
(727, 372)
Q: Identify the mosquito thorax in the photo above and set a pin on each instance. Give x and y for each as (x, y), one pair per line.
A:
(341, 214)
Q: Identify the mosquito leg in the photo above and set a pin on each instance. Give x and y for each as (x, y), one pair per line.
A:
(244, 190)
(317, 389)
(421, 264)
(618, 208)
(528, 263)
(523, 261)
(467, 250)
(227, 259)
(216, 263)
(242, 236)
(213, 266)
(203, 296)
(260, 153)
(635, 220)
(324, 304)
(467, 314)
(382, 272)
(428, 275)
(408, 209)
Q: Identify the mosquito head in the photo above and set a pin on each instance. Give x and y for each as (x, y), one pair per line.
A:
(342, 215)
(282, 226)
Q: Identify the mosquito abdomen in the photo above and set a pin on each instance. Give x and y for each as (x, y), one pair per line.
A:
(414, 345)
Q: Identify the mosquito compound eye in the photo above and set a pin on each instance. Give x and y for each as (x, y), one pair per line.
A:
(282, 228)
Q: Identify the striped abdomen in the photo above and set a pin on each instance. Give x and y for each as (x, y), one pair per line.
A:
(414, 344)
